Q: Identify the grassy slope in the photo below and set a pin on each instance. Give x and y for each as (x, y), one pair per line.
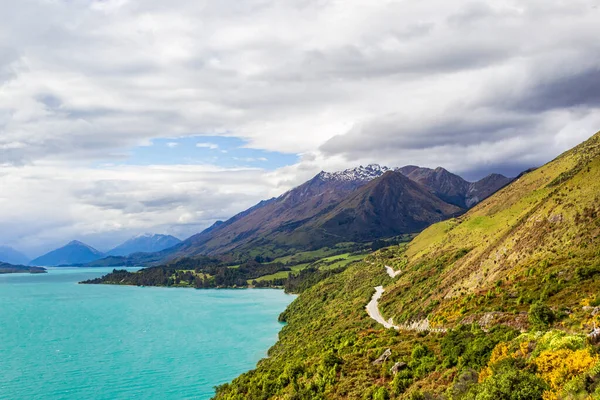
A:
(522, 244)
(530, 242)
(323, 264)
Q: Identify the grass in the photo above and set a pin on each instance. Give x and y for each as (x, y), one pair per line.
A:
(330, 262)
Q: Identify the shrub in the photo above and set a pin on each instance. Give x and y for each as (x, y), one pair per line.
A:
(540, 315)
(509, 383)
(558, 367)
(583, 273)
(402, 381)
(381, 394)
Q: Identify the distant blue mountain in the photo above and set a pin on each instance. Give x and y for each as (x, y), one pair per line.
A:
(146, 243)
(75, 252)
(12, 256)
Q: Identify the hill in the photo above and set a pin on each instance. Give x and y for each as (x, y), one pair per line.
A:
(6, 268)
(146, 243)
(73, 253)
(540, 230)
(501, 302)
(12, 256)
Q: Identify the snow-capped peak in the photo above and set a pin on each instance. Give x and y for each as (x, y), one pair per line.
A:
(360, 173)
(145, 235)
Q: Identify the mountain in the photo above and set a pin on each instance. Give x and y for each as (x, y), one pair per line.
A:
(501, 302)
(386, 206)
(264, 223)
(330, 208)
(454, 189)
(75, 252)
(146, 243)
(12, 256)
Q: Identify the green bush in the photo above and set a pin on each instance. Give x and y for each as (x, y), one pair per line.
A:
(541, 316)
(509, 383)
(402, 381)
(583, 273)
(381, 394)
(468, 346)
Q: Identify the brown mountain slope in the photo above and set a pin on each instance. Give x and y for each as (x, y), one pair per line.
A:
(332, 208)
(454, 189)
(387, 206)
(262, 223)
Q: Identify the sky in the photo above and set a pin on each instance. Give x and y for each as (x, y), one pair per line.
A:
(119, 117)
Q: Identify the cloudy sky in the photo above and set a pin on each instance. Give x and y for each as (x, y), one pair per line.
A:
(119, 117)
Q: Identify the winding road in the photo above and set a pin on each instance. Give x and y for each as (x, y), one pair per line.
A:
(373, 310)
(390, 271)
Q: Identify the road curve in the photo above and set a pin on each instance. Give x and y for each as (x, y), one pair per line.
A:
(373, 309)
(390, 271)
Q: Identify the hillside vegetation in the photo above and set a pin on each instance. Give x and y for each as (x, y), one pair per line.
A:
(6, 268)
(535, 240)
(515, 284)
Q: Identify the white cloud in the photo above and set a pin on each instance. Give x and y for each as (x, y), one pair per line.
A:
(211, 146)
(172, 144)
(107, 205)
(472, 86)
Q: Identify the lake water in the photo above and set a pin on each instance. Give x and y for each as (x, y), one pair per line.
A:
(60, 340)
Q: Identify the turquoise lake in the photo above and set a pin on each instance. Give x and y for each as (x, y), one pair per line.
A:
(61, 340)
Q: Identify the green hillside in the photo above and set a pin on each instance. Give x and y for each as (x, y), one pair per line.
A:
(512, 288)
(537, 239)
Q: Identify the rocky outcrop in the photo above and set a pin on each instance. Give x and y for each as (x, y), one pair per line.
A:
(383, 358)
(594, 336)
(399, 366)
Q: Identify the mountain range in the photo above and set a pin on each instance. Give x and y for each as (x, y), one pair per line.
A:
(146, 243)
(74, 252)
(355, 205)
(358, 204)
(77, 252)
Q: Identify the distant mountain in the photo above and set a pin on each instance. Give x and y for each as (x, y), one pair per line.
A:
(75, 252)
(270, 219)
(387, 206)
(12, 256)
(357, 204)
(454, 189)
(146, 243)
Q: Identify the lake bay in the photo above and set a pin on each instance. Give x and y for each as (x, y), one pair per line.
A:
(61, 340)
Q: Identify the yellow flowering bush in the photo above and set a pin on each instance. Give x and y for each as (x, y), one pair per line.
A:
(557, 367)
(500, 352)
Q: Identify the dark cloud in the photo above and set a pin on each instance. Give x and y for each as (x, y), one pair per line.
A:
(578, 89)
(457, 127)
